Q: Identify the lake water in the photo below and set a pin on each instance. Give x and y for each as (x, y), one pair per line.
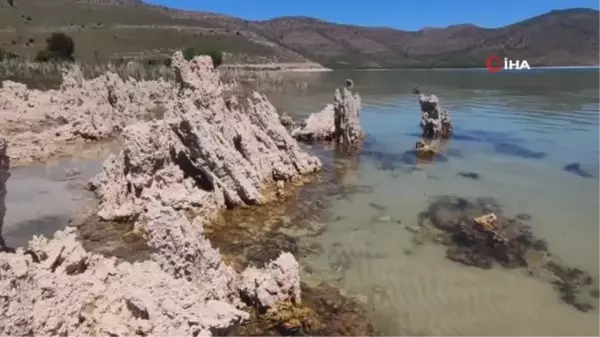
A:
(517, 131)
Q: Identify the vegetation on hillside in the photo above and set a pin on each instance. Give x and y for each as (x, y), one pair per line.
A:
(105, 31)
(59, 48)
(216, 56)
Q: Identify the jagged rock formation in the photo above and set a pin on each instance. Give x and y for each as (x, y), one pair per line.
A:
(346, 107)
(56, 288)
(317, 127)
(42, 124)
(478, 234)
(339, 122)
(435, 121)
(207, 153)
(4, 175)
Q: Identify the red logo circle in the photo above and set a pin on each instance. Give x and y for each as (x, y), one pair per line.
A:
(493, 64)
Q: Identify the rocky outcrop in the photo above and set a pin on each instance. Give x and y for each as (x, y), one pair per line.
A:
(41, 124)
(4, 175)
(56, 288)
(346, 107)
(339, 122)
(172, 176)
(478, 234)
(207, 153)
(318, 126)
(277, 282)
(435, 121)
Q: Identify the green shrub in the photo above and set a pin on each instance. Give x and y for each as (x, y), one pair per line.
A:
(59, 47)
(47, 56)
(216, 56)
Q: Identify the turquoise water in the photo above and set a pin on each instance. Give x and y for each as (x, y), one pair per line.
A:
(517, 131)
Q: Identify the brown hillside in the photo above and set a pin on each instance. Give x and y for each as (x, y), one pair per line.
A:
(108, 29)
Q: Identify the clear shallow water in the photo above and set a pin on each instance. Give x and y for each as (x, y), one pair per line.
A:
(517, 131)
(41, 198)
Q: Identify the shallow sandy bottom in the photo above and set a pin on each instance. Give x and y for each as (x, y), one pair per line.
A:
(517, 133)
(41, 198)
(415, 290)
(412, 289)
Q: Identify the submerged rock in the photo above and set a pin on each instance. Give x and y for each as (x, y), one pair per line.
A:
(339, 122)
(478, 234)
(470, 175)
(518, 151)
(435, 121)
(325, 312)
(430, 150)
(578, 170)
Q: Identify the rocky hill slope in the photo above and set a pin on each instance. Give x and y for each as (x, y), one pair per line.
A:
(108, 29)
(567, 37)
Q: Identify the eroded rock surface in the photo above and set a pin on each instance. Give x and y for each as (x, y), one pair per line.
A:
(172, 176)
(41, 124)
(478, 234)
(56, 288)
(435, 121)
(346, 107)
(207, 153)
(339, 122)
(317, 127)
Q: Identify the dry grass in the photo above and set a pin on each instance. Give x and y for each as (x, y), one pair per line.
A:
(48, 75)
(263, 80)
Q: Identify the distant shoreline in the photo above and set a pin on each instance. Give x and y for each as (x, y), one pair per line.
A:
(533, 68)
(277, 67)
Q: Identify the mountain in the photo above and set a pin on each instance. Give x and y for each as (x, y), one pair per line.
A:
(109, 29)
(566, 37)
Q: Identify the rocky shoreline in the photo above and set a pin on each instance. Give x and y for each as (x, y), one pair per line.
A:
(195, 152)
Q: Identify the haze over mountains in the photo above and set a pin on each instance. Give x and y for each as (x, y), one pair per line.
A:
(108, 29)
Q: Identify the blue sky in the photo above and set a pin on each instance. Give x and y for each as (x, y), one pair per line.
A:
(401, 14)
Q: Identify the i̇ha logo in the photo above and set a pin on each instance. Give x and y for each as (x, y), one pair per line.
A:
(494, 64)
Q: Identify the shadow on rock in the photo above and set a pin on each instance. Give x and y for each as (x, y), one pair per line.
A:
(478, 234)
(4, 175)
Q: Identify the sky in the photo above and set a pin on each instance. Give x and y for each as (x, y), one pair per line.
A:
(400, 14)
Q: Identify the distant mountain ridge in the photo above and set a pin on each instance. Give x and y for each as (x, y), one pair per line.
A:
(131, 27)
